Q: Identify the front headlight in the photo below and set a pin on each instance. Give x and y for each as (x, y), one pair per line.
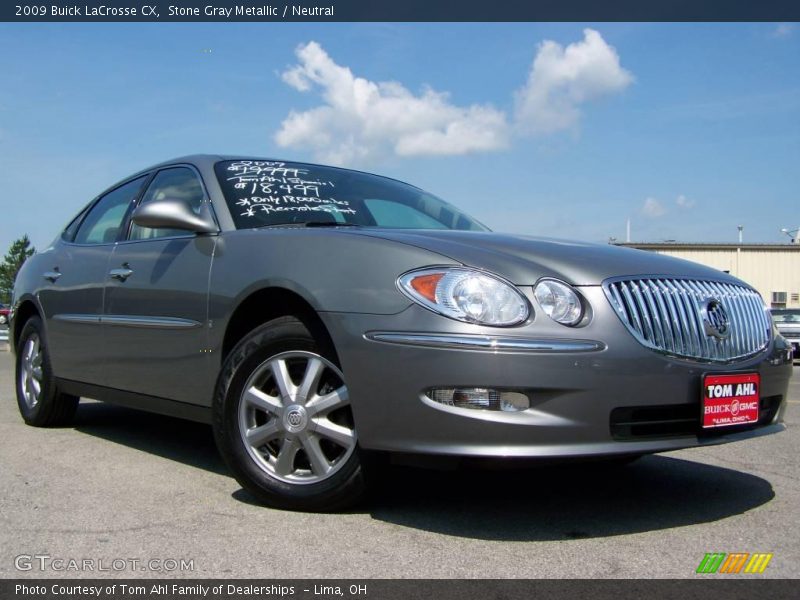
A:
(559, 301)
(466, 295)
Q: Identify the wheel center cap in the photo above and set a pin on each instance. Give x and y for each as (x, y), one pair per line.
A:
(295, 418)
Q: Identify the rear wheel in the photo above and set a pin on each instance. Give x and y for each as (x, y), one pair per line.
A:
(40, 402)
(283, 423)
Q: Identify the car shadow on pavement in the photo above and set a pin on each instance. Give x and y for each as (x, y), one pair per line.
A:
(564, 502)
(574, 501)
(175, 439)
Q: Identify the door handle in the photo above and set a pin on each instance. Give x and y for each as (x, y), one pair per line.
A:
(52, 276)
(120, 274)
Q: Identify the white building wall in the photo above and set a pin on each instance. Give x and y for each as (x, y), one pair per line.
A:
(768, 270)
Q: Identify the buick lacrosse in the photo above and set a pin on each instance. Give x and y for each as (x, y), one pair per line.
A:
(312, 314)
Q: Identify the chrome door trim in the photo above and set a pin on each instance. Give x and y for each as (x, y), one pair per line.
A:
(150, 322)
(130, 321)
(74, 318)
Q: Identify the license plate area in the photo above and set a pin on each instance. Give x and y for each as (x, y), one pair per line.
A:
(730, 399)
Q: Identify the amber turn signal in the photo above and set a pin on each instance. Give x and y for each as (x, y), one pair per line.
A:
(425, 285)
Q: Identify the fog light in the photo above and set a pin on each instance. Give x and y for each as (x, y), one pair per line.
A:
(480, 398)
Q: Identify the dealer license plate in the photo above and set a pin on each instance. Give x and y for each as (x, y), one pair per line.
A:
(730, 399)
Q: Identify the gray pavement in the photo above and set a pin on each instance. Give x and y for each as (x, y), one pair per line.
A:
(121, 484)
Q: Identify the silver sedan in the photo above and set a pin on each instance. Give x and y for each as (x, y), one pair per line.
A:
(319, 317)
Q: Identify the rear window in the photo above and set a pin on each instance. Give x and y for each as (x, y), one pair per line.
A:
(261, 193)
(786, 316)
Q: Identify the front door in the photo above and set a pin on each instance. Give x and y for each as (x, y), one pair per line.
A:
(156, 303)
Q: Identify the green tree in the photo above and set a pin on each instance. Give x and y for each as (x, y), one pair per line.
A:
(17, 254)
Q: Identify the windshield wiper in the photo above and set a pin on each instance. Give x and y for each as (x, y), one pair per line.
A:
(310, 224)
(328, 224)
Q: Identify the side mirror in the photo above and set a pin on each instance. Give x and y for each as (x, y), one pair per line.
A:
(170, 213)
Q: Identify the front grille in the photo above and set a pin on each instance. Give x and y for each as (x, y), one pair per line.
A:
(668, 315)
(671, 420)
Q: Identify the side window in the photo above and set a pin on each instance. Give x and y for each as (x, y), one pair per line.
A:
(386, 213)
(69, 232)
(177, 183)
(102, 224)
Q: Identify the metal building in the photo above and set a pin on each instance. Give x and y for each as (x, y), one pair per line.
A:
(773, 269)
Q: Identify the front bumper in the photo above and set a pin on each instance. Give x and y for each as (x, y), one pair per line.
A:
(576, 380)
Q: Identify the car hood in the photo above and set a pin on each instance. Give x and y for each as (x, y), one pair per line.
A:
(524, 259)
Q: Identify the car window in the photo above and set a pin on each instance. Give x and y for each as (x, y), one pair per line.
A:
(386, 214)
(789, 316)
(177, 183)
(102, 223)
(70, 230)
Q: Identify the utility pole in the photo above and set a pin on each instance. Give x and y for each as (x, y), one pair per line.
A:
(739, 248)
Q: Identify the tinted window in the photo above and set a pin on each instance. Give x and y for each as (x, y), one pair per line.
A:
(260, 193)
(786, 316)
(385, 213)
(102, 224)
(178, 183)
(72, 228)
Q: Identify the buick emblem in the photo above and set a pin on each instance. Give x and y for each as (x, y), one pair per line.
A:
(715, 319)
(295, 418)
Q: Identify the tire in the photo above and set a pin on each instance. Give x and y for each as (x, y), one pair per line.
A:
(40, 402)
(282, 421)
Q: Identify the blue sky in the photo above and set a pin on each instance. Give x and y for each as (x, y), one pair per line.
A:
(688, 130)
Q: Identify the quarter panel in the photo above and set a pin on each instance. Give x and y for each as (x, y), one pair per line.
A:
(332, 270)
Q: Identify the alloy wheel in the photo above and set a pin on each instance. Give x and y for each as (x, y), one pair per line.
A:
(30, 374)
(294, 418)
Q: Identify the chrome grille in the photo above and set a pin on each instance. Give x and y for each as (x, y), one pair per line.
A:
(668, 315)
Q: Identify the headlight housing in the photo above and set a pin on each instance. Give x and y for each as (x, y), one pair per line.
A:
(559, 301)
(466, 295)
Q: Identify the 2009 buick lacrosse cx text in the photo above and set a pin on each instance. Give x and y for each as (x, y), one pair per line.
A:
(318, 316)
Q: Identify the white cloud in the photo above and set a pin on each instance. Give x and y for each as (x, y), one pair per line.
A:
(361, 119)
(684, 202)
(783, 30)
(562, 79)
(653, 209)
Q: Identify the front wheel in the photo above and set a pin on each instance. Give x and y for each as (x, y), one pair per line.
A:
(283, 423)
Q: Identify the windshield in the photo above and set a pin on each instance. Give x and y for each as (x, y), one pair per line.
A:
(260, 193)
(786, 316)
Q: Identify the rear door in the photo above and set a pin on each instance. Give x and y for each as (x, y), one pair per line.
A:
(156, 304)
(74, 281)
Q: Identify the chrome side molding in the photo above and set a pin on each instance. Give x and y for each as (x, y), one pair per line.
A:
(484, 342)
(130, 321)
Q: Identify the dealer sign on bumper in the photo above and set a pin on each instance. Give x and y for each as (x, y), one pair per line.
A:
(730, 399)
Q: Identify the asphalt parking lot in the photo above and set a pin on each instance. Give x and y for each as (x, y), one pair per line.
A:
(121, 484)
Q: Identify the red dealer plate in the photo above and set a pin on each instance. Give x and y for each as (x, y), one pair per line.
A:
(730, 399)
